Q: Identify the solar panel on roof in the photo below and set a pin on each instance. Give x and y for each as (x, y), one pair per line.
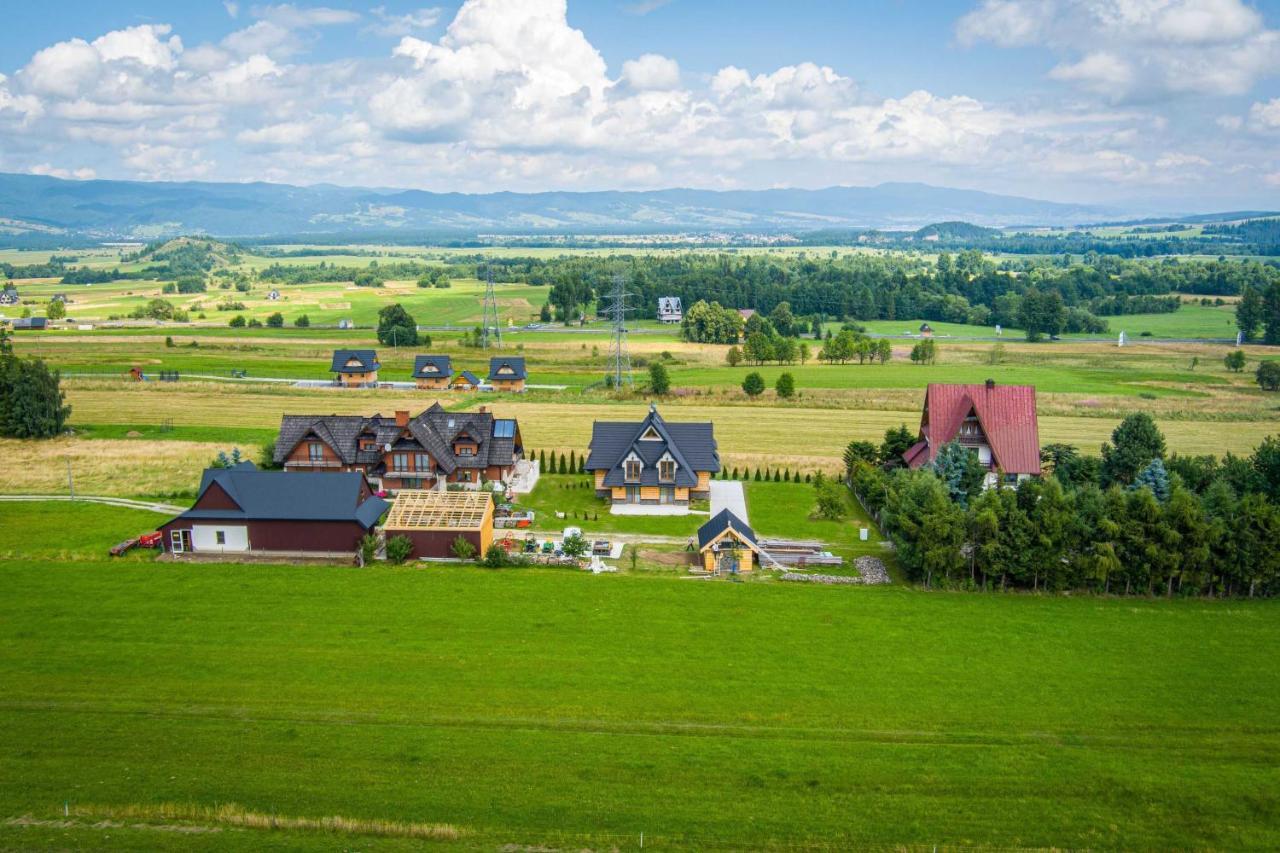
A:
(504, 429)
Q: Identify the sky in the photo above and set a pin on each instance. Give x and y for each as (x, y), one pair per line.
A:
(1154, 104)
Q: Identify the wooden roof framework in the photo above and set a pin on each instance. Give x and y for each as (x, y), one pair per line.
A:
(419, 509)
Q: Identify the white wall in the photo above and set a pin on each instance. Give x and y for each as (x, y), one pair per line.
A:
(204, 537)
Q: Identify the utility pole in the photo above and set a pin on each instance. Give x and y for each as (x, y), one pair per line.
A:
(619, 357)
(490, 328)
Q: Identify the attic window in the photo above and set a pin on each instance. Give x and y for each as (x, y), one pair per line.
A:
(451, 423)
(651, 434)
(633, 467)
(505, 370)
(429, 368)
(353, 362)
(315, 451)
(666, 471)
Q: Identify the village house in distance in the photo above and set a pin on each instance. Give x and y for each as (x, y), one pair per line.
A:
(998, 421)
(507, 373)
(435, 449)
(652, 467)
(355, 367)
(242, 510)
(432, 372)
(669, 310)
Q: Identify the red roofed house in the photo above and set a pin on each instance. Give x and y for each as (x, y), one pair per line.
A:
(998, 421)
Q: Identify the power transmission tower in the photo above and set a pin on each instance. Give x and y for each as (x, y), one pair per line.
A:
(619, 357)
(491, 329)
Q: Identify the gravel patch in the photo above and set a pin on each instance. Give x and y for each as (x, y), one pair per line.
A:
(871, 572)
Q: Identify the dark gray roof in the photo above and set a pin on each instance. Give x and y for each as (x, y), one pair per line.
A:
(691, 445)
(470, 377)
(516, 364)
(368, 360)
(434, 430)
(723, 521)
(30, 323)
(442, 364)
(280, 496)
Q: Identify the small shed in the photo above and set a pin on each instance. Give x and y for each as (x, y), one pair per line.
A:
(727, 545)
(346, 324)
(926, 331)
(273, 294)
(433, 520)
(30, 323)
(464, 381)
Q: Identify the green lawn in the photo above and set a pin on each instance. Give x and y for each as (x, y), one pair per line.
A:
(552, 708)
(83, 531)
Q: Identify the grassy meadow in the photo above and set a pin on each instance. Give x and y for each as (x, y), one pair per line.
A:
(168, 705)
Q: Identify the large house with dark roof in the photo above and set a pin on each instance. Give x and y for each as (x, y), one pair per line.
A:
(998, 422)
(355, 367)
(507, 373)
(432, 372)
(431, 451)
(242, 510)
(652, 467)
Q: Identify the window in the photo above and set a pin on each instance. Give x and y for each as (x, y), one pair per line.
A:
(466, 450)
(411, 482)
(315, 451)
(667, 471)
(421, 462)
(633, 469)
(400, 462)
(464, 477)
(666, 495)
(220, 537)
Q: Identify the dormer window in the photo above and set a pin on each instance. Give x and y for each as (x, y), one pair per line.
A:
(633, 467)
(315, 451)
(666, 471)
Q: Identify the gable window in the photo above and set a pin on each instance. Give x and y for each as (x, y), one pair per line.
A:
(651, 434)
(315, 451)
(420, 462)
(667, 471)
(633, 469)
(400, 462)
(466, 450)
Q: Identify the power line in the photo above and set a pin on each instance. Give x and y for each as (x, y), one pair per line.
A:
(491, 329)
(619, 357)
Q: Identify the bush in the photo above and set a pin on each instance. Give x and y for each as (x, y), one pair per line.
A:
(462, 548)
(302, 322)
(237, 322)
(733, 357)
(399, 548)
(753, 384)
(368, 547)
(1268, 375)
(659, 380)
(496, 557)
(786, 386)
(276, 320)
(574, 546)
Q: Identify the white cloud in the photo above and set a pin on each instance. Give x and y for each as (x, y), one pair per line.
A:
(84, 173)
(233, 9)
(1136, 48)
(393, 25)
(651, 71)
(295, 17)
(1265, 116)
(166, 162)
(142, 45)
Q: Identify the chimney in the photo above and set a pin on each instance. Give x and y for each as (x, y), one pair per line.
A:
(482, 409)
(991, 383)
(402, 418)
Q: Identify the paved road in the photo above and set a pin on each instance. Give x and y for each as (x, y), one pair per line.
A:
(162, 508)
(729, 494)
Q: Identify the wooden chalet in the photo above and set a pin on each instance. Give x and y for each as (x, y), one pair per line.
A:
(243, 510)
(653, 463)
(507, 374)
(355, 367)
(464, 380)
(726, 545)
(998, 422)
(429, 451)
(432, 372)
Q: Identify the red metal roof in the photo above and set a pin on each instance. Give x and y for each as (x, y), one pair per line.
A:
(1007, 414)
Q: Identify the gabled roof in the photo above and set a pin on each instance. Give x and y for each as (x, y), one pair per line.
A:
(442, 364)
(280, 496)
(471, 378)
(668, 304)
(691, 445)
(723, 521)
(1006, 413)
(516, 365)
(366, 358)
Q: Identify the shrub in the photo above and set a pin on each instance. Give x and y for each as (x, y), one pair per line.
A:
(659, 380)
(1268, 375)
(1234, 361)
(399, 548)
(302, 322)
(368, 547)
(574, 546)
(237, 322)
(276, 320)
(785, 386)
(462, 548)
(753, 384)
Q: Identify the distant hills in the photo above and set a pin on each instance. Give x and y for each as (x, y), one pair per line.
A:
(35, 206)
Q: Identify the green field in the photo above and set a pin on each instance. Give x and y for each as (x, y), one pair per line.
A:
(556, 709)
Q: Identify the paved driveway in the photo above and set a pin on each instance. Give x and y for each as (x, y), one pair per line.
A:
(728, 494)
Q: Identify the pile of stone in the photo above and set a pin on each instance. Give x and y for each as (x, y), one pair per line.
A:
(871, 571)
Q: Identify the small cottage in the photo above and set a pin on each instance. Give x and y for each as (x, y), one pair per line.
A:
(355, 367)
(465, 380)
(507, 374)
(726, 545)
(432, 372)
(669, 310)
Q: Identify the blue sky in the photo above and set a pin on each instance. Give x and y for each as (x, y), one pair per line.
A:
(1171, 104)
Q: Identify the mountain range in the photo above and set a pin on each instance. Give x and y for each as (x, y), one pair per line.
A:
(35, 205)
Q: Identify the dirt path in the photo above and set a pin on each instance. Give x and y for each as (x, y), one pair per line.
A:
(162, 508)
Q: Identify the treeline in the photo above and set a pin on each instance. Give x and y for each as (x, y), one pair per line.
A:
(372, 275)
(1131, 521)
(1215, 242)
